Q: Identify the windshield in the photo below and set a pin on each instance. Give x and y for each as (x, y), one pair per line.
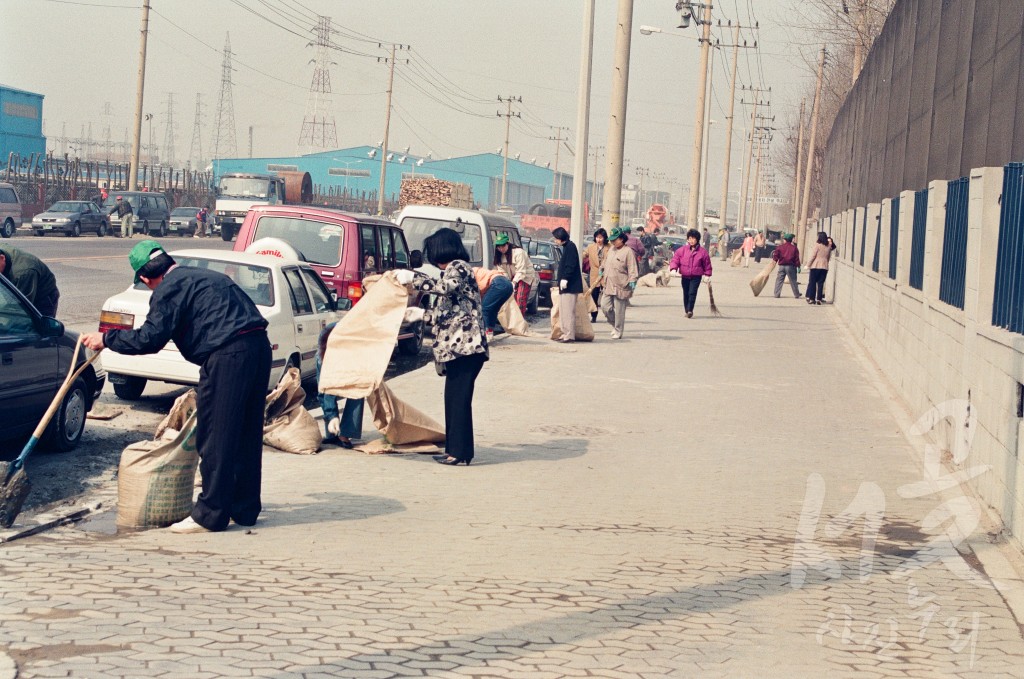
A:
(255, 281)
(243, 187)
(317, 242)
(418, 228)
(542, 249)
(111, 201)
(65, 206)
(184, 212)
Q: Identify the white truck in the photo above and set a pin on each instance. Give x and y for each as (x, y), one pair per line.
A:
(237, 192)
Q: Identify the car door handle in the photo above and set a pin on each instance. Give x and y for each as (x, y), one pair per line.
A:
(298, 327)
(8, 359)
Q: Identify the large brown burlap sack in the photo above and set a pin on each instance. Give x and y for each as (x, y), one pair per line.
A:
(584, 330)
(155, 478)
(287, 424)
(399, 422)
(361, 344)
(737, 257)
(649, 280)
(511, 319)
(761, 279)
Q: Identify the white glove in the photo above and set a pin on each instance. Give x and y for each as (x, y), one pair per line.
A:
(334, 426)
(563, 284)
(404, 276)
(413, 314)
(706, 279)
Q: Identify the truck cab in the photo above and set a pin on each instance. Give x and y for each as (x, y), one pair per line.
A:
(239, 191)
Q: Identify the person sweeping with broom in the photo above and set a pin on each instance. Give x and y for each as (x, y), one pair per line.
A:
(216, 326)
(694, 265)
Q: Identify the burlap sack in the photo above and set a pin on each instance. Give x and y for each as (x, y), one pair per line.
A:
(155, 478)
(511, 319)
(737, 257)
(361, 344)
(584, 330)
(399, 422)
(761, 279)
(648, 281)
(287, 425)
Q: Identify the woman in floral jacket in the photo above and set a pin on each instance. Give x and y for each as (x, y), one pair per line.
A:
(460, 345)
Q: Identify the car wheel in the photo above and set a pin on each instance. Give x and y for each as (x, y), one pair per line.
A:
(101, 230)
(7, 230)
(76, 230)
(413, 345)
(38, 234)
(65, 431)
(227, 231)
(131, 389)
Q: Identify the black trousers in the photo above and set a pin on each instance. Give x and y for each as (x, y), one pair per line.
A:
(816, 284)
(459, 381)
(758, 254)
(690, 286)
(230, 399)
(595, 294)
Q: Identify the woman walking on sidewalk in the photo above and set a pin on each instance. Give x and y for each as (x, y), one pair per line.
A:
(618, 279)
(570, 284)
(460, 346)
(747, 248)
(593, 261)
(513, 261)
(693, 263)
(818, 267)
(759, 243)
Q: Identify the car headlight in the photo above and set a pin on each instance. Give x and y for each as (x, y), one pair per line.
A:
(63, 220)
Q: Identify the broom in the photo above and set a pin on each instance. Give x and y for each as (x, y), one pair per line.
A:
(16, 485)
(711, 297)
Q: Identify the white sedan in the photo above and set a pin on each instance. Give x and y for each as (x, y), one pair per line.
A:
(289, 294)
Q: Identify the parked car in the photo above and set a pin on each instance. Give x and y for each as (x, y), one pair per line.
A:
(545, 256)
(341, 247)
(288, 293)
(183, 221)
(736, 241)
(150, 209)
(36, 353)
(478, 230)
(71, 217)
(10, 210)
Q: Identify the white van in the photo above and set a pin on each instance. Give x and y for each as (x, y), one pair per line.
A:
(10, 210)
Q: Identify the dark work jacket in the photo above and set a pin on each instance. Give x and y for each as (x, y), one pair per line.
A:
(569, 269)
(28, 273)
(200, 310)
(125, 208)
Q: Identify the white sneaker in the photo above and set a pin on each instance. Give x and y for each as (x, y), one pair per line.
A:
(616, 334)
(188, 525)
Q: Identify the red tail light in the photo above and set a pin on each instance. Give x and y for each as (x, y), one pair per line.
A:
(545, 274)
(354, 292)
(112, 320)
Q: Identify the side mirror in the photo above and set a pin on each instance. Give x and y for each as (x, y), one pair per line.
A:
(51, 327)
(342, 304)
(415, 259)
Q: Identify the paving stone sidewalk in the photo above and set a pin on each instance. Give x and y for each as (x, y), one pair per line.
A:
(692, 500)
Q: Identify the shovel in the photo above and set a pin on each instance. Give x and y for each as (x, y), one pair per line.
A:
(16, 485)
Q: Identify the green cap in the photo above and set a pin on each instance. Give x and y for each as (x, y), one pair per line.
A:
(627, 229)
(142, 253)
(788, 236)
(502, 239)
(616, 233)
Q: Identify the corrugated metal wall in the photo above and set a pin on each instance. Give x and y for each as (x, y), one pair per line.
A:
(942, 91)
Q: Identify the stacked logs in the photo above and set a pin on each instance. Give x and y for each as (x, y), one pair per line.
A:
(428, 191)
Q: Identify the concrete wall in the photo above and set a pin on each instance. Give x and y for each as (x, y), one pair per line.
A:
(932, 352)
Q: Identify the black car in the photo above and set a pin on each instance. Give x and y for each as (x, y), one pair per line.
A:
(545, 256)
(736, 241)
(36, 354)
(183, 221)
(151, 214)
(71, 217)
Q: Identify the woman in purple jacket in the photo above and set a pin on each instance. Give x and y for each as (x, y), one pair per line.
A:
(692, 262)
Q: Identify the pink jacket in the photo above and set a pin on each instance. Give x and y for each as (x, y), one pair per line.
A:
(691, 262)
(748, 245)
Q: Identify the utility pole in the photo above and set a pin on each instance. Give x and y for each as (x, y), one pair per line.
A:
(250, 141)
(387, 128)
(508, 115)
(617, 119)
(319, 131)
(140, 87)
(593, 183)
(169, 131)
(858, 47)
(698, 130)
(556, 186)
(797, 177)
(578, 216)
(729, 124)
(809, 167)
(224, 142)
(707, 141)
(741, 221)
(195, 153)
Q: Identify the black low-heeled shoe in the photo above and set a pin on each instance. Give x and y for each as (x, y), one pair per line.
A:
(452, 461)
(345, 443)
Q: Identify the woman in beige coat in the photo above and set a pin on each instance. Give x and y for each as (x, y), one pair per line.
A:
(593, 260)
(513, 261)
(818, 268)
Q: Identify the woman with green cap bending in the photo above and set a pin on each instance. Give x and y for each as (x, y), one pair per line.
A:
(516, 264)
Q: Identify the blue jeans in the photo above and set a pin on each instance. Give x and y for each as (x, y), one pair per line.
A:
(497, 294)
(351, 417)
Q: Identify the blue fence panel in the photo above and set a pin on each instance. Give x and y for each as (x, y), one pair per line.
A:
(863, 236)
(878, 245)
(1008, 295)
(853, 239)
(954, 244)
(917, 236)
(894, 236)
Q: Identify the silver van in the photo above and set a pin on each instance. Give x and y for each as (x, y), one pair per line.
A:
(10, 210)
(152, 214)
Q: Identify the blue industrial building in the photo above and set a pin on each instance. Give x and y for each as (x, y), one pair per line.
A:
(357, 169)
(21, 124)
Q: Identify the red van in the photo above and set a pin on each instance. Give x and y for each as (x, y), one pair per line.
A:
(341, 247)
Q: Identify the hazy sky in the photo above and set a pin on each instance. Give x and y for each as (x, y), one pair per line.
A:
(465, 53)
